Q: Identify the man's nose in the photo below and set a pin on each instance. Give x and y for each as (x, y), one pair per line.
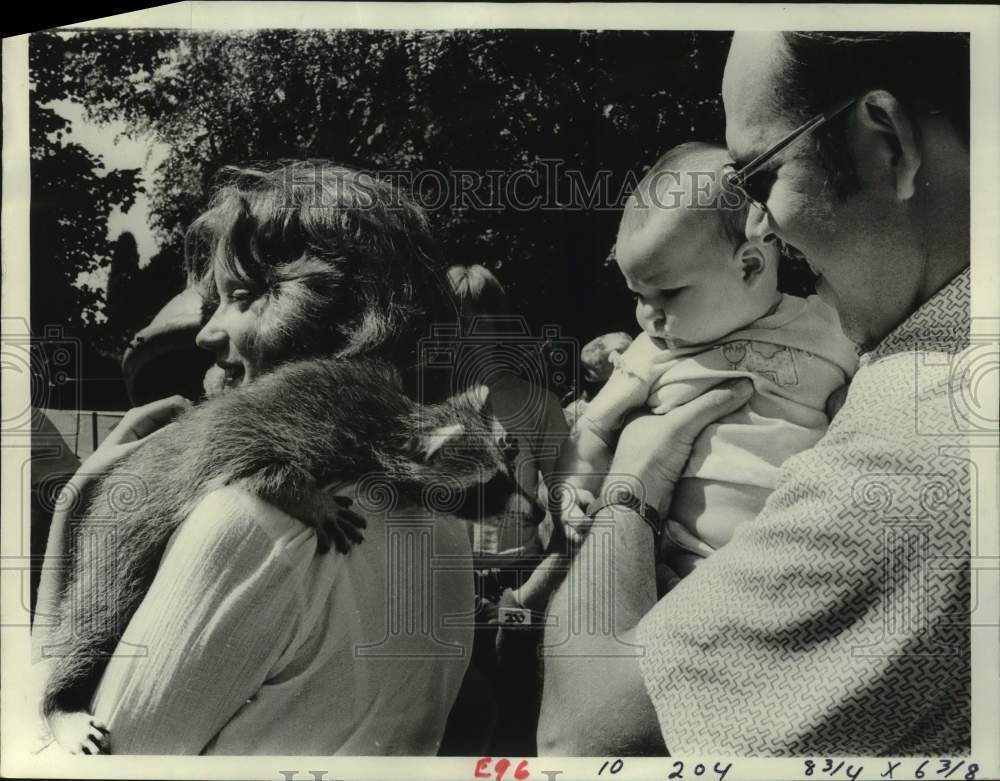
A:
(758, 225)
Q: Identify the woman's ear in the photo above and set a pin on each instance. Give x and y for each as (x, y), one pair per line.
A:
(888, 141)
(753, 258)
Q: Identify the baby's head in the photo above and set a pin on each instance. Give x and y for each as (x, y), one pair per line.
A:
(684, 254)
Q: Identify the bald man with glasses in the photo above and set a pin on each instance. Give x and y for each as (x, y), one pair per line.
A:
(837, 622)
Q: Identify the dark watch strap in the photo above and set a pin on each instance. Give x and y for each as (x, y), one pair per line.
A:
(623, 497)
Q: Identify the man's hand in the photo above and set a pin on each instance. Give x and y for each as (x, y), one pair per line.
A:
(654, 449)
(601, 706)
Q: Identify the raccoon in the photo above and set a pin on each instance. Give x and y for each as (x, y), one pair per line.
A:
(284, 437)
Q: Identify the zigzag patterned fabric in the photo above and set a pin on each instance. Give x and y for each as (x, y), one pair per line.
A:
(837, 622)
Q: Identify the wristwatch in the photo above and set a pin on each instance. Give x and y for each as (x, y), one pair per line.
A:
(623, 496)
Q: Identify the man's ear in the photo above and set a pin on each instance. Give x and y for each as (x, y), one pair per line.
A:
(424, 446)
(889, 140)
(752, 258)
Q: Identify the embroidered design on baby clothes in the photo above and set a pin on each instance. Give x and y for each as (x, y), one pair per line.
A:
(773, 361)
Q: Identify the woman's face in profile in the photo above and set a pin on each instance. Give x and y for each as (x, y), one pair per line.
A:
(231, 332)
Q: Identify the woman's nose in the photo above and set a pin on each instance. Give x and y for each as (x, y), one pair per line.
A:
(758, 225)
(211, 337)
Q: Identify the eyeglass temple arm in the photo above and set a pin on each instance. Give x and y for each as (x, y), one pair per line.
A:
(820, 119)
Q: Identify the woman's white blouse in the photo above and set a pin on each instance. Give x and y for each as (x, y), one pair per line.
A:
(250, 642)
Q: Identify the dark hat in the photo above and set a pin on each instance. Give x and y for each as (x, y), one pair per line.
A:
(163, 358)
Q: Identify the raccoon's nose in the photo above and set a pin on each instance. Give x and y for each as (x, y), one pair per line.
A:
(508, 446)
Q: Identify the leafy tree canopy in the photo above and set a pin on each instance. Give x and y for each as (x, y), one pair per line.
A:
(586, 111)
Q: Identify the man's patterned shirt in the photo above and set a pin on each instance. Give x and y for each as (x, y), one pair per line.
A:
(837, 622)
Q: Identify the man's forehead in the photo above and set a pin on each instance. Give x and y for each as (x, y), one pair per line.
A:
(749, 86)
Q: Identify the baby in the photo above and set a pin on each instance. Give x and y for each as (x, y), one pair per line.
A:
(709, 308)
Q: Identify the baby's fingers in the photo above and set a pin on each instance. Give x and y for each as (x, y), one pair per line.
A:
(577, 523)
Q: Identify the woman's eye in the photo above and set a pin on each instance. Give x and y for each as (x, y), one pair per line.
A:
(241, 296)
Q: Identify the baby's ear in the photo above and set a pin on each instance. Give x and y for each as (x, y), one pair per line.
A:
(753, 257)
(423, 447)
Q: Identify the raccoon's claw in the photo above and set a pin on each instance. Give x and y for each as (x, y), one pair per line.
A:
(77, 732)
(344, 503)
(340, 526)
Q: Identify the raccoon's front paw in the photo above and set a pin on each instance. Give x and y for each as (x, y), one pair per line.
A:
(336, 523)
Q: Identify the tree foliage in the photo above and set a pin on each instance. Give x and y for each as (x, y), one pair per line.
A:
(583, 109)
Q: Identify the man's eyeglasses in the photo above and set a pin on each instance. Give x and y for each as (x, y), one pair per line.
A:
(753, 184)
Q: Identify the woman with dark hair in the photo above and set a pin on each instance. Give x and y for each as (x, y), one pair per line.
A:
(249, 640)
(338, 263)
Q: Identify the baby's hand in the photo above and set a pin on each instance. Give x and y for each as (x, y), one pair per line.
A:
(626, 390)
(570, 512)
(78, 732)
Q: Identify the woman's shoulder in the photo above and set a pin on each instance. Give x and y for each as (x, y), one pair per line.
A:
(233, 521)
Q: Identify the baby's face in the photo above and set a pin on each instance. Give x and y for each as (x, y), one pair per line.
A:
(688, 289)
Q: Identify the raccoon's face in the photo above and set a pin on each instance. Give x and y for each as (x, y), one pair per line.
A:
(470, 461)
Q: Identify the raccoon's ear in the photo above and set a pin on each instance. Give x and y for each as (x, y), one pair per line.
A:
(479, 398)
(425, 445)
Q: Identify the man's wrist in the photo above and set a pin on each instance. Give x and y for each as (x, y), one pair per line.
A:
(631, 481)
(627, 493)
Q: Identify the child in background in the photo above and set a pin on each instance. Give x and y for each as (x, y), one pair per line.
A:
(596, 368)
(504, 670)
(709, 308)
(530, 413)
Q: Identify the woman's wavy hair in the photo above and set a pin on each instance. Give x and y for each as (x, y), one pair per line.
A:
(347, 262)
